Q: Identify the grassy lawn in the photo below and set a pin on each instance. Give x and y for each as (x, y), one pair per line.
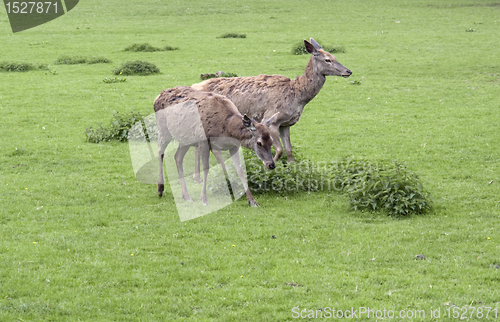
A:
(82, 240)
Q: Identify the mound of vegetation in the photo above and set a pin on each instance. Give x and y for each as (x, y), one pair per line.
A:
(285, 178)
(386, 186)
(217, 74)
(232, 35)
(119, 129)
(300, 49)
(21, 67)
(148, 48)
(136, 67)
(114, 80)
(372, 186)
(75, 60)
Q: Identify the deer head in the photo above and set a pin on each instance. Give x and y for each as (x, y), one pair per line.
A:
(325, 63)
(261, 142)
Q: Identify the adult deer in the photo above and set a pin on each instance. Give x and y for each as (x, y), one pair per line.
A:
(208, 121)
(262, 96)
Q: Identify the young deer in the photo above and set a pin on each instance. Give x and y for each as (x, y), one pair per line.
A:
(262, 96)
(207, 121)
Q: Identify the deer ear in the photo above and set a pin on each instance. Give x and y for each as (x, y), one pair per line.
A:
(315, 44)
(248, 123)
(271, 119)
(309, 48)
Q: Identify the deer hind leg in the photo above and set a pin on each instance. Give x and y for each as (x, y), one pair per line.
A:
(285, 137)
(218, 156)
(196, 176)
(179, 157)
(163, 141)
(237, 164)
(205, 158)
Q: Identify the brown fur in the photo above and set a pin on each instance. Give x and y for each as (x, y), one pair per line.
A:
(264, 95)
(200, 119)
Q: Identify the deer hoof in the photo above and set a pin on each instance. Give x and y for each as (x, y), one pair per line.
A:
(197, 179)
(160, 190)
(253, 203)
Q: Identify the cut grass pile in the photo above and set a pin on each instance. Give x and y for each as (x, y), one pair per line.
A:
(136, 67)
(232, 35)
(118, 128)
(217, 74)
(7, 66)
(113, 80)
(75, 60)
(145, 47)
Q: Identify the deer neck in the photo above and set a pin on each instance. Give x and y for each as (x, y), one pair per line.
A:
(308, 85)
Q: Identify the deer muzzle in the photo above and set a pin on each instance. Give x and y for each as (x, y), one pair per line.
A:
(270, 165)
(347, 73)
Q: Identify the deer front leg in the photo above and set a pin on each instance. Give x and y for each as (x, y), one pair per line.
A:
(218, 156)
(161, 152)
(179, 157)
(196, 176)
(205, 158)
(285, 137)
(237, 164)
(161, 183)
(274, 132)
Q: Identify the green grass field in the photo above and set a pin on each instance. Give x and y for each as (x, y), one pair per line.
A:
(82, 240)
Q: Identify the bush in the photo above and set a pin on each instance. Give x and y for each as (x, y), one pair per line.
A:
(218, 74)
(75, 60)
(374, 186)
(285, 178)
(386, 186)
(20, 67)
(136, 67)
(117, 130)
(98, 60)
(300, 49)
(114, 80)
(232, 35)
(148, 48)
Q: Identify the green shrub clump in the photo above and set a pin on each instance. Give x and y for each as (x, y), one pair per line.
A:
(232, 35)
(373, 186)
(148, 48)
(385, 186)
(121, 129)
(284, 179)
(114, 80)
(21, 67)
(136, 67)
(75, 60)
(218, 74)
(117, 130)
(300, 49)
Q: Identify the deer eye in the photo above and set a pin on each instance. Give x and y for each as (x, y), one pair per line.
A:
(328, 61)
(258, 143)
